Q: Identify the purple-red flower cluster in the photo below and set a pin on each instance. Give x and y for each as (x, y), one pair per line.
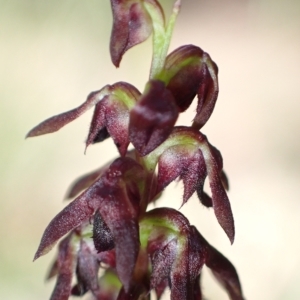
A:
(111, 244)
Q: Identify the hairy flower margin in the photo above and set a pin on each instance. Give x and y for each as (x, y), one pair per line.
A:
(107, 226)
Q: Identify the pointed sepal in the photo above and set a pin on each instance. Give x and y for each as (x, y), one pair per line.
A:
(185, 162)
(220, 201)
(111, 116)
(66, 262)
(55, 123)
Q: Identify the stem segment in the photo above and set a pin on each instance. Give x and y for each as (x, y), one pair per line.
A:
(161, 36)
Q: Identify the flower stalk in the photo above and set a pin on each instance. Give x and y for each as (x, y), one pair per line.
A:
(162, 35)
(108, 228)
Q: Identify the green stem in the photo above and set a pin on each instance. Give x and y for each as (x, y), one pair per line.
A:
(161, 36)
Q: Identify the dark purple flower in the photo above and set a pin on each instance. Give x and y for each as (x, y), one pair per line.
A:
(187, 154)
(111, 115)
(116, 194)
(184, 162)
(189, 71)
(174, 255)
(107, 226)
(178, 253)
(153, 117)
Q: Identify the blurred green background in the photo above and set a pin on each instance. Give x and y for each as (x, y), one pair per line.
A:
(53, 53)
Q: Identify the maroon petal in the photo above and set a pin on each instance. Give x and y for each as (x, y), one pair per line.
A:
(162, 261)
(98, 123)
(122, 220)
(184, 74)
(193, 176)
(196, 254)
(219, 160)
(153, 118)
(69, 218)
(117, 120)
(188, 72)
(207, 93)
(87, 180)
(224, 272)
(176, 252)
(184, 161)
(220, 201)
(87, 269)
(187, 267)
(55, 123)
(66, 264)
(171, 164)
(121, 213)
(131, 25)
(111, 116)
(180, 277)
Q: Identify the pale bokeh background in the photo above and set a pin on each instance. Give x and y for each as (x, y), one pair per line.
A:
(53, 53)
